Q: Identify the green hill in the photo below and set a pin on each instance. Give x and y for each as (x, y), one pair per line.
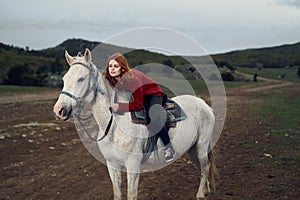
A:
(21, 66)
(45, 67)
(271, 57)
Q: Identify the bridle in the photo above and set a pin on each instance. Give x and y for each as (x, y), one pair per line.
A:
(93, 88)
(78, 100)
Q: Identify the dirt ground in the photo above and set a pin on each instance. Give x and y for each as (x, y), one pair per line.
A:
(44, 159)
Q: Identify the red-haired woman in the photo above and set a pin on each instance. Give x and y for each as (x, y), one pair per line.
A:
(146, 94)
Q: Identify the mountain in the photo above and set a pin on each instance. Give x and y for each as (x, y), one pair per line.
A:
(73, 46)
(44, 67)
(271, 57)
(21, 66)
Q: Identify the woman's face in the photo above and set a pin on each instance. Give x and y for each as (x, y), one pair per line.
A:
(114, 68)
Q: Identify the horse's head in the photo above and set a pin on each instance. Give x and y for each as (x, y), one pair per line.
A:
(78, 83)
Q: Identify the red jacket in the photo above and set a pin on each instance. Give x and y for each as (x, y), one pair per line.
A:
(140, 87)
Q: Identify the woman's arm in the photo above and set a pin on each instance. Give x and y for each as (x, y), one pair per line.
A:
(136, 104)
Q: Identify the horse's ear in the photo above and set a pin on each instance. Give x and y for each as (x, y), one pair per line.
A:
(87, 55)
(68, 58)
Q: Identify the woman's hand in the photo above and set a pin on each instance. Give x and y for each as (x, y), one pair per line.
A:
(115, 107)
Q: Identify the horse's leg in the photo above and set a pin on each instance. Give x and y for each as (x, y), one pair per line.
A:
(204, 183)
(202, 149)
(205, 131)
(199, 156)
(116, 179)
(133, 176)
(208, 173)
(133, 184)
(194, 156)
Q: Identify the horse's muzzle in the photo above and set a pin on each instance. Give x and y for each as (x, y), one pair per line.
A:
(62, 113)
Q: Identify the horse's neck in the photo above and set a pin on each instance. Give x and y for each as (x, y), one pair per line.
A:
(100, 103)
(121, 122)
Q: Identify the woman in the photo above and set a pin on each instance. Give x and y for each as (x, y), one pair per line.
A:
(146, 93)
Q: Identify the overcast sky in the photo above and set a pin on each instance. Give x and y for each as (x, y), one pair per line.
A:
(218, 25)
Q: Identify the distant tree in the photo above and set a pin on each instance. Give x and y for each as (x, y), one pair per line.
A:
(56, 67)
(225, 64)
(141, 63)
(192, 69)
(18, 75)
(26, 76)
(168, 63)
(226, 76)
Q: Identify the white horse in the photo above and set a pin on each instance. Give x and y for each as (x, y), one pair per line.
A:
(122, 143)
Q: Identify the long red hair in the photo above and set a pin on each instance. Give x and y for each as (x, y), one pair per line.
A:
(126, 74)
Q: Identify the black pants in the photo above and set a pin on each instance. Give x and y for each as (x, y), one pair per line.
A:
(156, 118)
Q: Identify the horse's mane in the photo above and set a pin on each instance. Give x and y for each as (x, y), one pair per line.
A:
(105, 82)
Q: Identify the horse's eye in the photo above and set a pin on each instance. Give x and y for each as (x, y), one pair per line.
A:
(81, 79)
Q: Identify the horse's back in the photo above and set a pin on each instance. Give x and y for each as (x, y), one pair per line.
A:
(198, 115)
(193, 106)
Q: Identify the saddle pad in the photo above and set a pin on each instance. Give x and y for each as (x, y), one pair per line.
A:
(174, 113)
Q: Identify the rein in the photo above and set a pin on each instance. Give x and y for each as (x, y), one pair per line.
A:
(106, 130)
(79, 100)
(108, 125)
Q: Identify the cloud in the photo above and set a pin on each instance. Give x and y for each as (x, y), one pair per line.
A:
(293, 3)
(219, 25)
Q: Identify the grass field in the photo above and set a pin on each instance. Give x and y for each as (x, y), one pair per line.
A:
(282, 113)
(274, 73)
(12, 89)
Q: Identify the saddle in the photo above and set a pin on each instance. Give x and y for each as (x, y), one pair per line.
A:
(174, 114)
(173, 110)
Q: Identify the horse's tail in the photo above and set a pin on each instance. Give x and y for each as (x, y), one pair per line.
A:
(213, 171)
